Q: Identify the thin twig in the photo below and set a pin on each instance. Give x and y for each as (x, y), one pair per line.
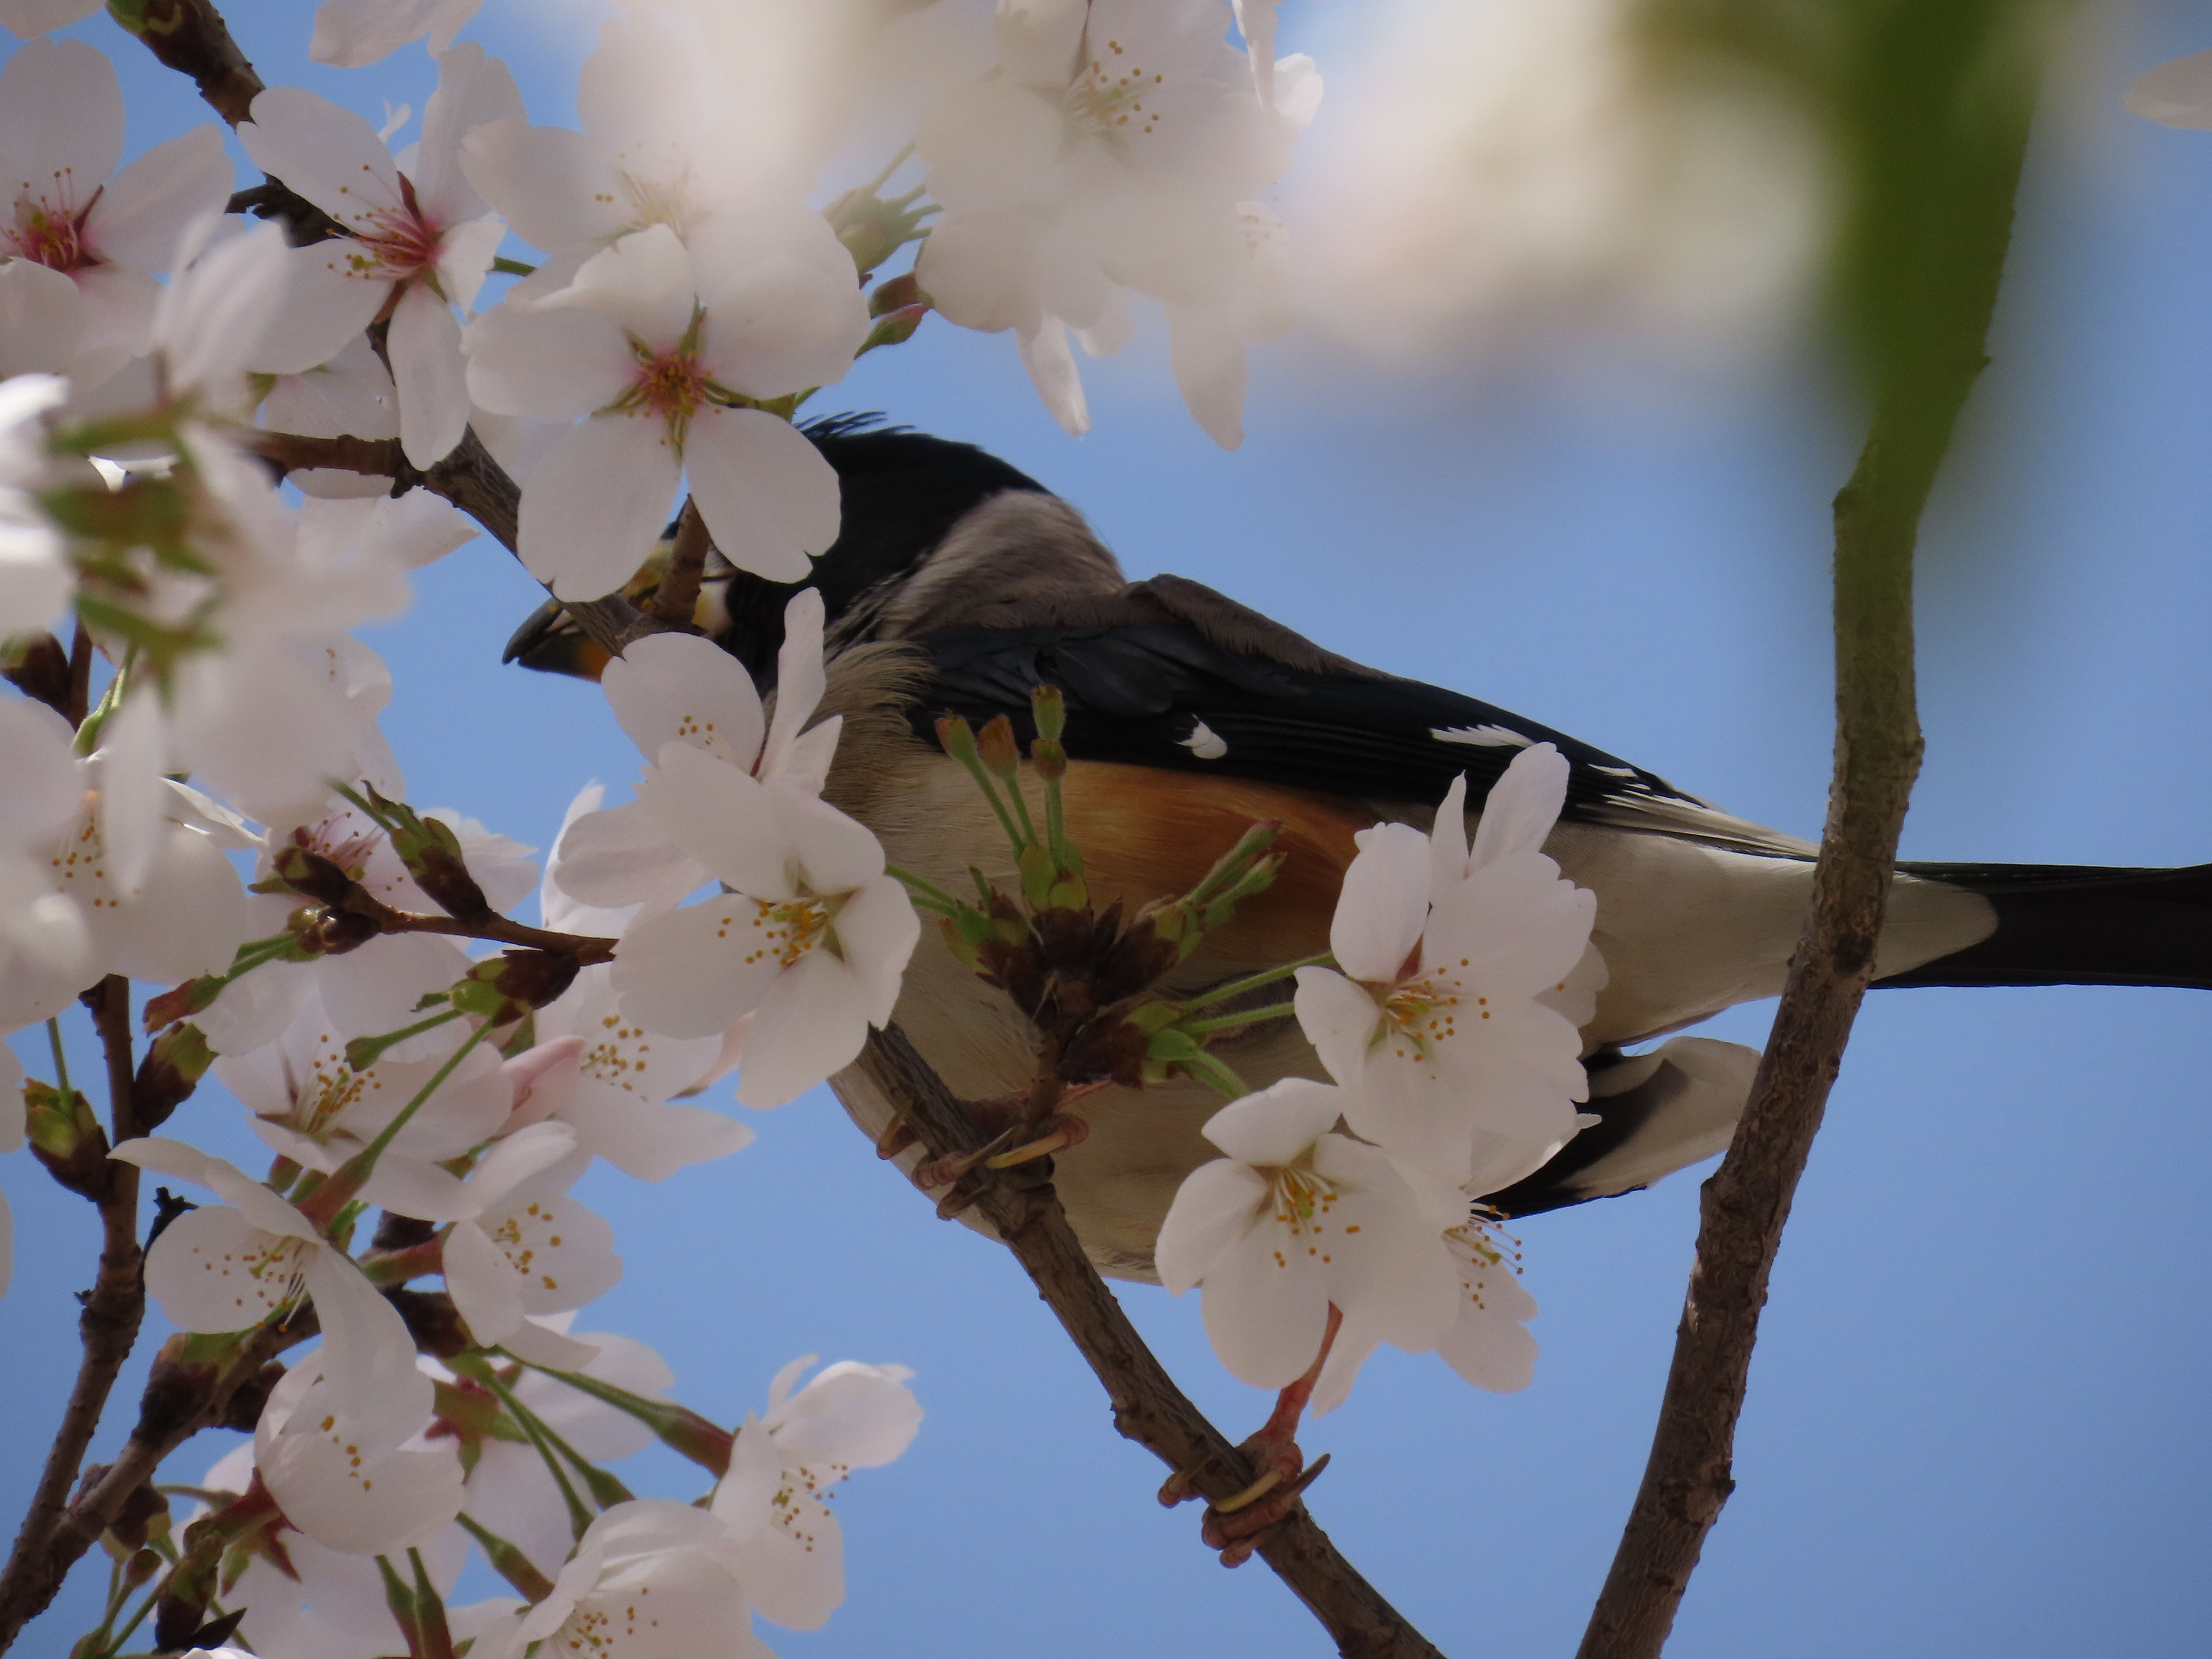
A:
(678, 597)
(191, 37)
(1148, 1408)
(1926, 323)
(587, 948)
(108, 1327)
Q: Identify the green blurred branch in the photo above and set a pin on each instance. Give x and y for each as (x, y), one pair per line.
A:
(1928, 109)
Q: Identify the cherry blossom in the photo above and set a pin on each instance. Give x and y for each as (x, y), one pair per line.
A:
(524, 1247)
(676, 688)
(328, 1605)
(361, 1481)
(811, 938)
(662, 356)
(682, 1558)
(1434, 1024)
(1296, 1217)
(351, 33)
(784, 1467)
(45, 947)
(421, 243)
(35, 580)
(615, 1081)
(61, 138)
(229, 1267)
(1114, 148)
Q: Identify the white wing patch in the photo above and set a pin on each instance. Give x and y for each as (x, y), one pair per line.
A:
(1205, 742)
(1615, 771)
(1482, 736)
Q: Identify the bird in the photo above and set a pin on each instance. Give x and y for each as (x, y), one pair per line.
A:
(959, 584)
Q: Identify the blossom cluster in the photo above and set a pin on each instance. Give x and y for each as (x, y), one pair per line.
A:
(1449, 1026)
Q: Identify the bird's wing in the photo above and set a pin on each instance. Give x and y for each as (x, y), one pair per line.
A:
(1179, 695)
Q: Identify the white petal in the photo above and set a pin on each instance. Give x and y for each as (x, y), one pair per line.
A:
(643, 283)
(323, 306)
(691, 972)
(595, 505)
(1340, 1020)
(25, 18)
(473, 90)
(1384, 903)
(679, 687)
(1052, 370)
(144, 211)
(465, 252)
(1279, 1124)
(800, 680)
(2177, 93)
(369, 1357)
(876, 931)
(1447, 841)
(328, 155)
(61, 121)
(1207, 356)
(425, 343)
(43, 790)
(189, 920)
(134, 746)
(1217, 1204)
(811, 1025)
(1522, 807)
(1264, 1309)
(212, 1270)
(550, 365)
(724, 819)
(768, 496)
(649, 1141)
(42, 318)
(622, 857)
(856, 1416)
(363, 1500)
(781, 324)
(553, 185)
(487, 1291)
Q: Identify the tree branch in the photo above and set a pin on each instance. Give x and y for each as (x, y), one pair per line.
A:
(587, 948)
(1924, 256)
(108, 1327)
(1148, 1408)
(191, 37)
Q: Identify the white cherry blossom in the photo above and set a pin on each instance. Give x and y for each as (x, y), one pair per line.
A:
(784, 1467)
(359, 1481)
(1114, 148)
(677, 688)
(811, 938)
(524, 1247)
(1295, 1219)
(229, 1267)
(615, 1081)
(657, 352)
(35, 579)
(1434, 1024)
(352, 33)
(61, 138)
(650, 1579)
(420, 243)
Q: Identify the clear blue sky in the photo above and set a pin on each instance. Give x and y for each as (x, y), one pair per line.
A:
(1976, 1420)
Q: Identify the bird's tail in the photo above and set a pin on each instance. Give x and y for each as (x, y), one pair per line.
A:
(2078, 925)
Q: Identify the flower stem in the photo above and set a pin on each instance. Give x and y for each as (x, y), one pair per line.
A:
(351, 1176)
(606, 1490)
(508, 1560)
(924, 892)
(1237, 987)
(1209, 1071)
(1249, 1017)
(61, 1062)
(579, 1517)
(889, 167)
(681, 1429)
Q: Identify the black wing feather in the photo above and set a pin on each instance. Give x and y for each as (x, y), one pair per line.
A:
(1138, 693)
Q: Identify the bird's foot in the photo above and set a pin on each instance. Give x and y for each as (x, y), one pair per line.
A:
(1234, 1524)
(1019, 1139)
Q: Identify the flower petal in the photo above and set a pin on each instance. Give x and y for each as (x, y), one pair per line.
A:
(1217, 1204)
(811, 1026)
(427, 367)
(1383, 905)
(325, 152)
(142, 215)
(550, 365)
(768, 494)
(691, 972)
(1277, 1125)
(1264, 1309)
(679, 687)
(1522, 806)
(61, 121)
(596, 503)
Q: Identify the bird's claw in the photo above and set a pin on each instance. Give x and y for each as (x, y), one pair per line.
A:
(1233, 1526)
(1054, 1133)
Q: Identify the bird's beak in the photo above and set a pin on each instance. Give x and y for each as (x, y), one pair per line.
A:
(550, 642)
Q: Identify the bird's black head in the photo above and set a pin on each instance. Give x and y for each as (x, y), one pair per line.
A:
(900, 492)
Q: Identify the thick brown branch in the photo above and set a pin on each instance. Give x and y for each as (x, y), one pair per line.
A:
(108, 1327)
(1950, 155)
(1148, 1408)
(677, 596)
(190, 36)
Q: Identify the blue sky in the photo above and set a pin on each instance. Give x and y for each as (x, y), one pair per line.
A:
(1976, 1420)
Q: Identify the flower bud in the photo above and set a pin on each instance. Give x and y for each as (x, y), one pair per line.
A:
(313, 876)
(899, 293)
(173, 1068)
(145, 1511)
(432, 853)
(38, 666)
(996, 749)
(68, 1139)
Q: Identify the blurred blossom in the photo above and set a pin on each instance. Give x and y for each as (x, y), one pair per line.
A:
(1498, 165)
(2177, 93)
(354, 32)
(82, 246)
